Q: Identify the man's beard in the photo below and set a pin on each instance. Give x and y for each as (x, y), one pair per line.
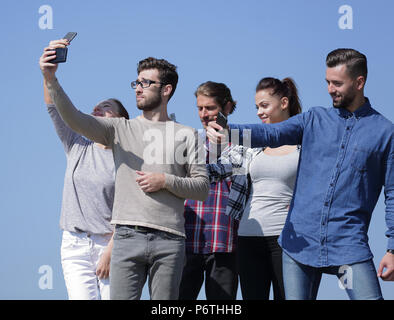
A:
(345, 101)
(149, 104)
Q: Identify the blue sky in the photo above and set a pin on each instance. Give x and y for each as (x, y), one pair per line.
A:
(235, 42)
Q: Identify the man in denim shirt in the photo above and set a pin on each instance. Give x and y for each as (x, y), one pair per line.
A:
(346, 157)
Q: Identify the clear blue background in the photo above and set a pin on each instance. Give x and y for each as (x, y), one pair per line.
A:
(236, 42)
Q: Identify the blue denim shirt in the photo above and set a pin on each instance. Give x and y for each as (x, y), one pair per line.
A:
(345, 160)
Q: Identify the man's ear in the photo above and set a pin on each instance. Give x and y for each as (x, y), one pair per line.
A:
(167, 89)
(360, 82)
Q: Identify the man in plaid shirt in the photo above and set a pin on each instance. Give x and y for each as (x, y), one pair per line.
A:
(211, 235)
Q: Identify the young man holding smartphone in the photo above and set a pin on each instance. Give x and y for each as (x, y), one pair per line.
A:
(211, 235)
(149, 238)
(347, 157)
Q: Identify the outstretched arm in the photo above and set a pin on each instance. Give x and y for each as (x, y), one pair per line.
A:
(288, 132)
(98, 130)
(65, 134)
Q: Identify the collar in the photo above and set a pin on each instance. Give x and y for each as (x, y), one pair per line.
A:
(363, 111)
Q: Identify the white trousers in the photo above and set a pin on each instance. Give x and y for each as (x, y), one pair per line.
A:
(80, 254)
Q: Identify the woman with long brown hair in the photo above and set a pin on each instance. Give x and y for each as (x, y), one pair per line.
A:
(261, 196)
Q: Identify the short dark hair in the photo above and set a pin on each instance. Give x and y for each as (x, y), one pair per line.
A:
(167, 71)
(122, 112)
(356, 62)
(285, 88)
(219, 91)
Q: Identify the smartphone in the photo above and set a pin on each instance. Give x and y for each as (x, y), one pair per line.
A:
(221, 120)
(61, 53)
(70, 36)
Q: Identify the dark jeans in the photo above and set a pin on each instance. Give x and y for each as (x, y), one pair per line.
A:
(260, 265)
(221, 278)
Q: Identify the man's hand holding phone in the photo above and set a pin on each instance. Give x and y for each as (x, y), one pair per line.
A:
(215, 127)
(221, 120)
(48, 68)
(61, 52)
(55, 53)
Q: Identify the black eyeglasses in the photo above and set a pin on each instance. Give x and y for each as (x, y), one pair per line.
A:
(145, 83)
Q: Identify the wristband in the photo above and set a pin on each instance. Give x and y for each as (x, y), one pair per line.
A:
(390, 251)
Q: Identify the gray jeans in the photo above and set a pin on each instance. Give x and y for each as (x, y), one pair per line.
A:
(138, 254)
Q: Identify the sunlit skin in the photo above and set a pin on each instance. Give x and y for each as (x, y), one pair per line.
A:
(345, 91)
(273, 109)
(153, 100)
(106, 109)
(149, 99)
(208, 109)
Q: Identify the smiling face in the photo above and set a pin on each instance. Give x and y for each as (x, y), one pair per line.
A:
(341, 87)
(106, 109)
(208, 109)
(149, 98)
(271, 108)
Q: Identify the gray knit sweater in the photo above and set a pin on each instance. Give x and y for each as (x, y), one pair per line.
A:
(140, 144)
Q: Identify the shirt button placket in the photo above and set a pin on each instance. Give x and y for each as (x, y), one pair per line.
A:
(323, 234)
(330, 194)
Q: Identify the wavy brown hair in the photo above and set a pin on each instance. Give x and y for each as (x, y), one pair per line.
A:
(219, 92)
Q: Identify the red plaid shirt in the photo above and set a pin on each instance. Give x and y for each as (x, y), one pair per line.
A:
(208, 228)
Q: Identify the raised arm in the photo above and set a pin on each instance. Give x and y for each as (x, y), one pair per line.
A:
(98, 130)
(65, 134)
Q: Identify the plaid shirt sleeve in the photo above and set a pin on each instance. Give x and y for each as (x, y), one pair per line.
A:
(234, 162)
(219, 171)
(238, 196)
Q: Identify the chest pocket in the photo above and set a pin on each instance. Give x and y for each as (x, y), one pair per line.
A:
(365, 160)
(359, 159)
